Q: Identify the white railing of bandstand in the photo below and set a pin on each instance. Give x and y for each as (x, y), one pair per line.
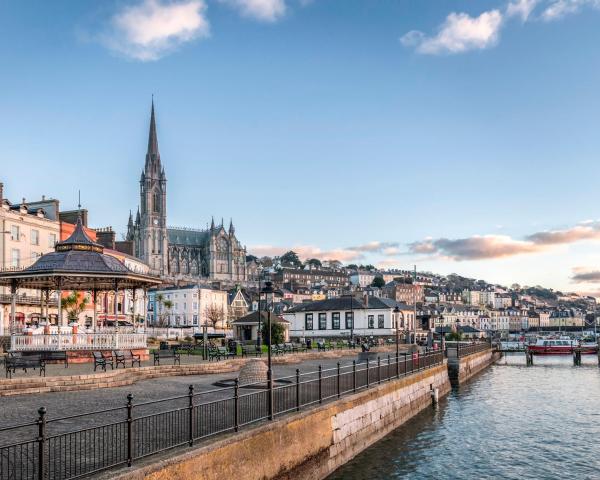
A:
(78, 341)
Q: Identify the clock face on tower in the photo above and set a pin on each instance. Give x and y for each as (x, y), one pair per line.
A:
(155, 221)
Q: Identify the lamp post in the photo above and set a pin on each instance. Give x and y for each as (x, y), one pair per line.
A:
(268, 293)
(396, 314)
(351, 318)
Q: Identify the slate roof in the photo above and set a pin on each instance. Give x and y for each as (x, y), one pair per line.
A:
(346, 303)
(192, 238)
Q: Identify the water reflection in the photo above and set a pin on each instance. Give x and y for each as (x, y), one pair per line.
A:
(511, 421)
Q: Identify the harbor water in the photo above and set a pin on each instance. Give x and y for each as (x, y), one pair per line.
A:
(509, 422)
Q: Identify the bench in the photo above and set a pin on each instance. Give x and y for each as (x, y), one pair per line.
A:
(12, 362)
(102, 360)
(279, 349)
(288, 348)
(220, 352)
(322, 347)
(299, 347)
(121, 357)
(164, 354)
(56, 357)
(251, 350)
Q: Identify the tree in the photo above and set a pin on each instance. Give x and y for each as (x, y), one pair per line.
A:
(74, 304)
(163, 310)
(369, 267)
(277, 332)
(352, 266)
(266, 261)
(378, 282)
(251, 258)
(290, 259)
(214, 315)
(314, 262)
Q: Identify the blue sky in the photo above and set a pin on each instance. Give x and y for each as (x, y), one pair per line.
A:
(460, 135)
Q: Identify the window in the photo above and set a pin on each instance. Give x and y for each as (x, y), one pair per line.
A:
(195, 305)
(349, 320)
(35, 237)
(371, 321)
(51, 240)
(322, 321)
(380, 321)
(335, 320)
(15, 257)
(308, 321)
(14, 233)
(156, 203)
(195, 319)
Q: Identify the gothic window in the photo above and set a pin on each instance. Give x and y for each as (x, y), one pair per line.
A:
(156, 202)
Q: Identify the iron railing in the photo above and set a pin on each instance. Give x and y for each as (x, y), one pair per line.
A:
(78, 445)
(464, 349)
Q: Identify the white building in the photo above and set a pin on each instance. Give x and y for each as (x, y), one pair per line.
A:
(362, 278)
(345, 316)
(192, 306)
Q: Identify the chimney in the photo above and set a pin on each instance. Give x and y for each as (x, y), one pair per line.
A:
(1, 191)
(366, 300)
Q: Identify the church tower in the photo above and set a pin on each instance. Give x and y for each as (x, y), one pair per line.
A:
(152, 246)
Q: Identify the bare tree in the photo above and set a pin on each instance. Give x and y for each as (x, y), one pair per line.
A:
(214, 315)
(163, 310)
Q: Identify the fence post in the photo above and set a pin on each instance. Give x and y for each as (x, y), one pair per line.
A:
(41, 443)
(129, 429)
(338, 379)
(368, 372)
(354, 376)
(404, 364)
(297, 389)
(320, 384)
(379, 370)
(191, 413)
(236, 401)
(397, 364)
(387, 370)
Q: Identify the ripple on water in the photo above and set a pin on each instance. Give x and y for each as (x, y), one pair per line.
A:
(510, 422)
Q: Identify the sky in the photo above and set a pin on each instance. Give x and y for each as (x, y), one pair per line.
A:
(460, 136)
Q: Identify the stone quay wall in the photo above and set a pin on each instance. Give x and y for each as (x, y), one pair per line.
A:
(304, 446)
(462, 369)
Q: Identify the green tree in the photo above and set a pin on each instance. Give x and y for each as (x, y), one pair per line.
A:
(378, 282)
(290, 259)
(74, 304)
(163, 310)
(277, 332)
(314, 262)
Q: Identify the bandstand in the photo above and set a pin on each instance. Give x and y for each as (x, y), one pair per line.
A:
(77, 264)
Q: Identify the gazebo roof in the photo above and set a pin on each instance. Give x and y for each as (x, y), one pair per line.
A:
(78, 263)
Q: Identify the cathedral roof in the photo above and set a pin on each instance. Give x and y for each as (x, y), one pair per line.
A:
(183, 236)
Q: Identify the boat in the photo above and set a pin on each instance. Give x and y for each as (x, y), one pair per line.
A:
(561, 346)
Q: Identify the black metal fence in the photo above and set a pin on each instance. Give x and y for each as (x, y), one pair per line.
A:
(462, 350)
(78, 445)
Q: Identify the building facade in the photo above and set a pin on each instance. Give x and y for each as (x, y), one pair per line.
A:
(179, 253)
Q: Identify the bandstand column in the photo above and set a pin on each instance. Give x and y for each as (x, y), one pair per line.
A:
(13, 307)
(95, 306)
(133, 307)
(59, 300)
(145, 308)
(116, 307)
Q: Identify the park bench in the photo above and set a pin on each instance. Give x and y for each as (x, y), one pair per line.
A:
(279, 349)
(12, 362)
(121, 357)
(103, 360)
(164, 354)
(299, 347)
(322, 346)
(288, 348)
(220, 352)
(56, 357)
(251, 350)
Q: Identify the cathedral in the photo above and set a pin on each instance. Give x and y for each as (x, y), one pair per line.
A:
(179, 253)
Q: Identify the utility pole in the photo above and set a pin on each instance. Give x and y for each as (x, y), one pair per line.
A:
(415, 305)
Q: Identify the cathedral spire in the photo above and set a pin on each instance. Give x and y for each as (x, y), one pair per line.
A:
(152, 137)
(212, 223)
(231, 227)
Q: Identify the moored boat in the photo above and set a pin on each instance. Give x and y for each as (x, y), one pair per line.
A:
(551, 346)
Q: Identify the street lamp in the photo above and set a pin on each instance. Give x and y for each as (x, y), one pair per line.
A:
(267, 291)
(351, 318)
(397, 313)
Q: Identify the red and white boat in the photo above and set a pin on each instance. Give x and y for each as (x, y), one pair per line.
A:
(560, 346)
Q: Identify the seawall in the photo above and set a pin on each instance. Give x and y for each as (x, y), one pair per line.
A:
(461, 369)
(308, 445)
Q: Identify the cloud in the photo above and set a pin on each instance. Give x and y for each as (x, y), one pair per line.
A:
(585, 275)
(263, 10)
(377, 247)
(561, 8)
(475, 248)
(152, 29)
(459, 33)
(485, 247)
(307, 251)
(521, 8)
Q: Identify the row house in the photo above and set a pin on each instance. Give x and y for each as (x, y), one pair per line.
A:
(404, 292)
(347, 316)
(293, 277)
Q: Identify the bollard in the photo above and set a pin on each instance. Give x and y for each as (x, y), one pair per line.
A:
(435, 395)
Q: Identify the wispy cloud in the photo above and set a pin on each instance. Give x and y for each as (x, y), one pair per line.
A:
(150, 29)
(459, 33)
(558, 9)
(521, 8)
(263, 10)
(583, 275)
(308, 251)
(387, 248)
(486, 247)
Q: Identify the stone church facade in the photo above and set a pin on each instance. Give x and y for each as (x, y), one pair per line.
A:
(180, 253)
